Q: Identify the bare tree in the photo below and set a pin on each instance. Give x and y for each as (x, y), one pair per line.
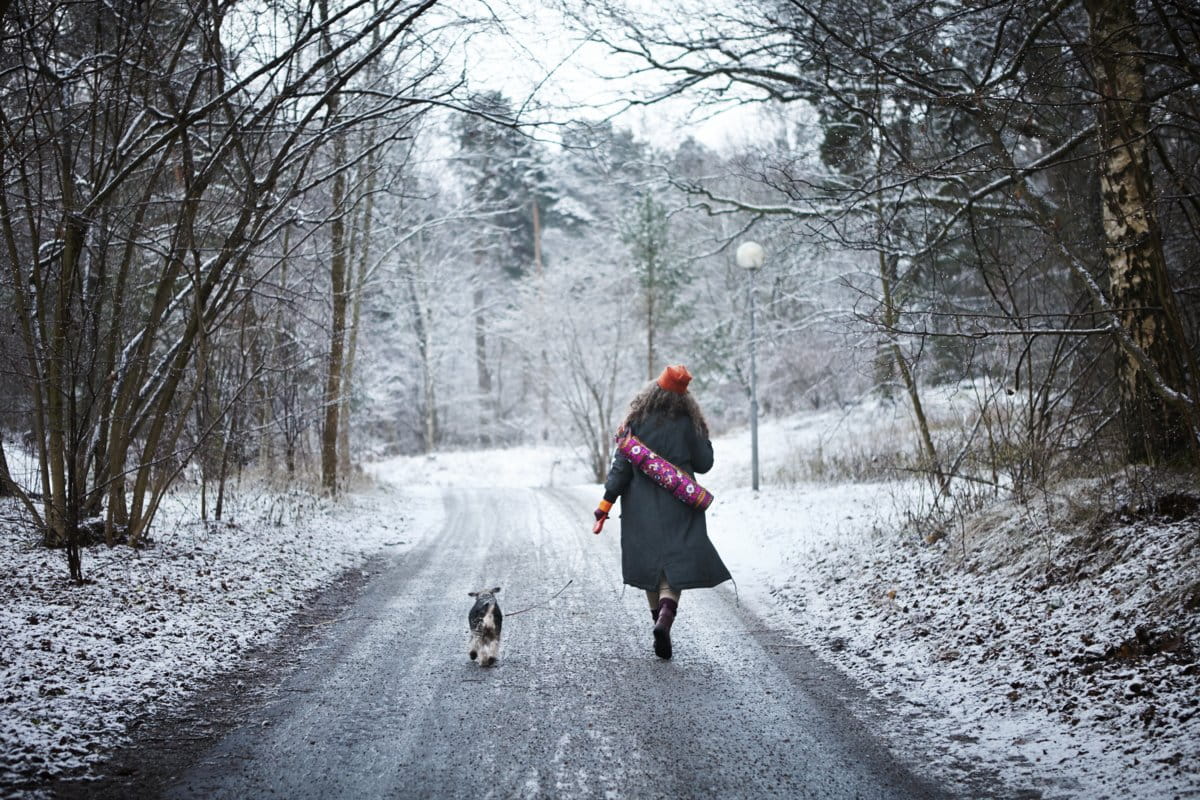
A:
(957, 145)
(144, 174)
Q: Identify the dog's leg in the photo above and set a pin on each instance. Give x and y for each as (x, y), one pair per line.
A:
(490, 650)
(473, 646)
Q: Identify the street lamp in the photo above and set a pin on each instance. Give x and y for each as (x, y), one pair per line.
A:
(750, 257)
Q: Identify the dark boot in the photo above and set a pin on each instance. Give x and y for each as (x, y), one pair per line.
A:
(662, 627)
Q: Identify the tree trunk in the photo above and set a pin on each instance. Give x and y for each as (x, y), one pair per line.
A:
(61, 378)
(230, 433)
(1138, 284)
(235, 408)
(885, 360)
(887, 271)
(650, 374)
(26, 313)
(6, 481)
(282, 387)
(484, 377)
(543, 379)
(74, 465)
(337, 338)
(422, 325)
(363, 255)
(429, 389)
(337, 270)
(105, 480)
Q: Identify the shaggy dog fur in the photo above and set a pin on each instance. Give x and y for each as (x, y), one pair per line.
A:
(485, 620)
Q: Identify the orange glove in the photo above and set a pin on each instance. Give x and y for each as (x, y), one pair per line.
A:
(601, 514)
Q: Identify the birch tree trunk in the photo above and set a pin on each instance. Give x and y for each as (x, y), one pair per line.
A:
(1155, 431)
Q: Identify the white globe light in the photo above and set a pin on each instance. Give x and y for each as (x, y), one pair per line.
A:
(750, 255)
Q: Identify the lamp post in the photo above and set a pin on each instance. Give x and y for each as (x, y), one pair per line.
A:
(750, 257)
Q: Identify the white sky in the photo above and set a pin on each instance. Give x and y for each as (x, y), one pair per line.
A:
(534, 54)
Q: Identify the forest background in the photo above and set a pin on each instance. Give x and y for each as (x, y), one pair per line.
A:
(271, 240)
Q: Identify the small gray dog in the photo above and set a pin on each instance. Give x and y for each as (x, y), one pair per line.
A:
(485, 619)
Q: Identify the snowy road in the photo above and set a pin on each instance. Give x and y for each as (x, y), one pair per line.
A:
(386, 704)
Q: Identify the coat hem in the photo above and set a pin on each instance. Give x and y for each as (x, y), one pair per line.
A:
(680, 588)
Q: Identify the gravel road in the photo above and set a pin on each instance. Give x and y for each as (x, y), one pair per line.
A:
(384, 703)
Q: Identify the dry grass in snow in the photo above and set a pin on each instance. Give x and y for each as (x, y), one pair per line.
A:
(1052, 642)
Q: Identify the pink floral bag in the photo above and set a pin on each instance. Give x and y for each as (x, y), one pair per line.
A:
(664, 473)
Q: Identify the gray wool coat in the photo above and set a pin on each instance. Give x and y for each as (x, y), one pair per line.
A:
(659, 534)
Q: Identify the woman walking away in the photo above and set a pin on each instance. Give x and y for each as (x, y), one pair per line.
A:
(664, 541)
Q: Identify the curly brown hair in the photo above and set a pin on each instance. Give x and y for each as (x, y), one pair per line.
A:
(654, 399)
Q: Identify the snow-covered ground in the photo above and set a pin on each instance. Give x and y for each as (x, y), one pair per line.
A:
(80, 663)
(511, 467)
(1011, 643)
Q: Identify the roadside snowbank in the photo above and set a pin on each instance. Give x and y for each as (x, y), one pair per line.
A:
(80, 663)
(1052, 642)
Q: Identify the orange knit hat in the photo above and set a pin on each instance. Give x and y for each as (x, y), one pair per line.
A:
(675, 378)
